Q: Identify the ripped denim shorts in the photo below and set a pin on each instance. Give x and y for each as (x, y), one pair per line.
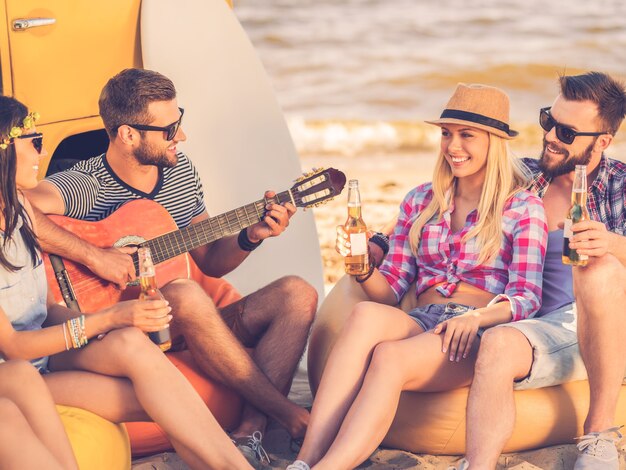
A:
(429, 316)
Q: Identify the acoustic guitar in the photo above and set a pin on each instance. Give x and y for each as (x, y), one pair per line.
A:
(143, 222)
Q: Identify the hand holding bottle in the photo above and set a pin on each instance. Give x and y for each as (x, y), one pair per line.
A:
(576, 214)
(147, 315)
(150, 291)
(342, 242)
(354, 244)
(590, 238)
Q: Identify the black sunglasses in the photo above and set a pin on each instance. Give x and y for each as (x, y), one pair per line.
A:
(37, 140)
(170, 130)
(564, 133)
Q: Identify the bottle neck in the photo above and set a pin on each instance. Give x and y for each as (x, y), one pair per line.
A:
(579, 198)
(354, 211)
(580, 180)
(147, 282)
(354, 196)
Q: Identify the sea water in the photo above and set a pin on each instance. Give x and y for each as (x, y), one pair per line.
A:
(356, 76)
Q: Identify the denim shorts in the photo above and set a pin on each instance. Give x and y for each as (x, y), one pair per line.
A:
(429, 316)
(556, 357)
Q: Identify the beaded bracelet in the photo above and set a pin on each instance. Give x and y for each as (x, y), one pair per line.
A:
(369, 272)
(244, 242)
(76, 329)
(382, 241)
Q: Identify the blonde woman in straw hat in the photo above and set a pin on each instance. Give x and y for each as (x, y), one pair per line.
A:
(473, 242)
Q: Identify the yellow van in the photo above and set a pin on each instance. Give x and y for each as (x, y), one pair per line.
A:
(55, 56)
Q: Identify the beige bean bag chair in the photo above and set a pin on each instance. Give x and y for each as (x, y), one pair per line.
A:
(434, 423)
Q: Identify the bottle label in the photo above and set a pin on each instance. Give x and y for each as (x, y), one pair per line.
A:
(358, 244)
(567, 229)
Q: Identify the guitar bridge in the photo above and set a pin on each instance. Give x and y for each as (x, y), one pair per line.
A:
(64, 282)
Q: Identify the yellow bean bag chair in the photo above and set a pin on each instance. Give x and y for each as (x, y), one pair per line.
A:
(434, 423)
(98, 444)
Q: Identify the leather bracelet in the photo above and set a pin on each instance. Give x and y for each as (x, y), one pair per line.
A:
(244, 242)
(369, 272)
(382, 241)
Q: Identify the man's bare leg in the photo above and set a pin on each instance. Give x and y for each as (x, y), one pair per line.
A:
(601, 300)
(285, 312)
(280, 315)
(505, 355)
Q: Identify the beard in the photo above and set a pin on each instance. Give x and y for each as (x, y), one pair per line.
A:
(149, 155)
(568, 163)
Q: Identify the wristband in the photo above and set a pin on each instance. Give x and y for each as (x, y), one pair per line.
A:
(369, 272)
(244, 242)
(382, 241)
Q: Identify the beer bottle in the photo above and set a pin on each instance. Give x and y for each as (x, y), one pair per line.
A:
(577, 212)
(150, 291)
(357, 263)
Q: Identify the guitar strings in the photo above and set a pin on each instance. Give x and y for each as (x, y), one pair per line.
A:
(175, 243)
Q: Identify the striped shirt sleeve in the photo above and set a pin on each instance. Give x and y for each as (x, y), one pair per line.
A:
(79, 191)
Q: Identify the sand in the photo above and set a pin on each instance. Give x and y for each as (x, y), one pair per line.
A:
(278, 445)
(384, 180)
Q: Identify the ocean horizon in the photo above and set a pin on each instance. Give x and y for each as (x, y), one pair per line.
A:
(362, 75)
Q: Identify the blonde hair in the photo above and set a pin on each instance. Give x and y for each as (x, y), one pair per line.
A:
(505, 175)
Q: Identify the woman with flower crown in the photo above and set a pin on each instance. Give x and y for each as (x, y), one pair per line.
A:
(123, 376)
(473, 243)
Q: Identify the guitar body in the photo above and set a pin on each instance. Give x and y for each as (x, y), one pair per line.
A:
(134, 222)
(147, 223)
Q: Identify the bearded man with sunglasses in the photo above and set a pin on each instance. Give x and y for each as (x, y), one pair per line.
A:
(143, 121)
(578, 316)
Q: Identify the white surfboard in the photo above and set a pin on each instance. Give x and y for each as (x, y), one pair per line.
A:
(236, 134)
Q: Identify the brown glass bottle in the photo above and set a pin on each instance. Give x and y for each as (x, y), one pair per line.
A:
(576, 213)
(357, 263)
(150, 291)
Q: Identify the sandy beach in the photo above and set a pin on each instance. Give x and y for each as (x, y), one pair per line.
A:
(278, 445)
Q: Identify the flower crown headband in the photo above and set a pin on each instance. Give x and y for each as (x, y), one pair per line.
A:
(27, 123)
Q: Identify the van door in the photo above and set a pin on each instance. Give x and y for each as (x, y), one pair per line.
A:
(62, 66)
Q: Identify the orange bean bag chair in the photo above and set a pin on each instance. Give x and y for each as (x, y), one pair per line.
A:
(434, 423)
(226, 405)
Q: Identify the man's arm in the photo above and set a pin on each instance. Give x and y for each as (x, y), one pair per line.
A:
(112, 264)
(593, 239)
(224, 255)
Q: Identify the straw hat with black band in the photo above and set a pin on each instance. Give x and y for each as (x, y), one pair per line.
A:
(480, 106)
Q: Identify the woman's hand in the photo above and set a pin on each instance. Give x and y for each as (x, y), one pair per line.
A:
(460, 333)
(342, 242)
(147, 315)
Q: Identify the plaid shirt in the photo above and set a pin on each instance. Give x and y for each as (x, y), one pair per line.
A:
(514, 275)
(605, 197)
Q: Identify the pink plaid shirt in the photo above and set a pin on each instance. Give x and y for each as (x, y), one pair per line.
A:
(514, 275)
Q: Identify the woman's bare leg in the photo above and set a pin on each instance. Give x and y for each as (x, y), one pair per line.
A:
(392, 371)
(160, 389)
(29, 406)
(369, 324)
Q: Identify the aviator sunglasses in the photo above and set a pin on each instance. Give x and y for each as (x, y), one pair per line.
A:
(564, 133)
(37, 140)
(170, 130)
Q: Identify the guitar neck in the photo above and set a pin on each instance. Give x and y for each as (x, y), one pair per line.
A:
(229, 223)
